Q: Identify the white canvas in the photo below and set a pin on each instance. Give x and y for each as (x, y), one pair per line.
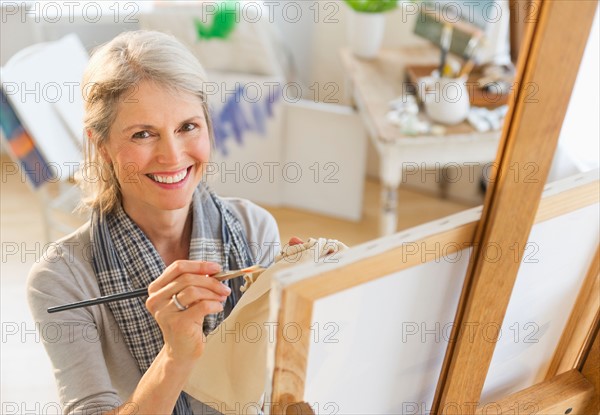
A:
(555, 264)
(48, 102)
(381, 345)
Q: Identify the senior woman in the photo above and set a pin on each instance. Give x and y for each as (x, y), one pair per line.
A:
(153, 223)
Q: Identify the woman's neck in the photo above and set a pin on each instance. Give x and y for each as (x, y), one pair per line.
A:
(169, 231)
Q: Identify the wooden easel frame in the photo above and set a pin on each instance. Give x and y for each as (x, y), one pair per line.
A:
(298, 300)
(550, 58)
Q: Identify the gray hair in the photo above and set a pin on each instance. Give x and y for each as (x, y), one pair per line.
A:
(113, 70)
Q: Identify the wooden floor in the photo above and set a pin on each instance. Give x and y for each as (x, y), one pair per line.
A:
(414, 208)
(25, 366)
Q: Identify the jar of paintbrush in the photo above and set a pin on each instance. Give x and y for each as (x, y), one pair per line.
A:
(446, 95)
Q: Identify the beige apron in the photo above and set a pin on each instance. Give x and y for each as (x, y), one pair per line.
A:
(231, 373)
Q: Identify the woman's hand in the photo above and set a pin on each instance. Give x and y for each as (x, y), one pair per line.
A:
(201, 295)
(162, 383)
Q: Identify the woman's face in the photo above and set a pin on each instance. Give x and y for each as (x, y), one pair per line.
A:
(157, 144)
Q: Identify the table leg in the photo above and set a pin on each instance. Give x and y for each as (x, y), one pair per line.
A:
(388, 221)
(391, 175)
(444, 183)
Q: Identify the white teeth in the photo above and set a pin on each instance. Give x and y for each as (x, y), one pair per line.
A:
(169, 179)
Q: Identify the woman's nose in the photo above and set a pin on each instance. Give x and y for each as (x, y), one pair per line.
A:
(169, 151)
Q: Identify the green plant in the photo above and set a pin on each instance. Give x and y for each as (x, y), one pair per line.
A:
(372, 6)
(223, 23)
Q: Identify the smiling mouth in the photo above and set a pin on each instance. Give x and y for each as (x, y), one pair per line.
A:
(170, 179)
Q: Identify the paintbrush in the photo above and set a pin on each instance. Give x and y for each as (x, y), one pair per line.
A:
(140, 292)
(469, 56)
(445, 43)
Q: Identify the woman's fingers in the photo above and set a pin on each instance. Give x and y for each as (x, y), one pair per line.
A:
(189, 296)
(203, 308)
(296, 241)
(186, 280)
(193, 287)
(178, 268)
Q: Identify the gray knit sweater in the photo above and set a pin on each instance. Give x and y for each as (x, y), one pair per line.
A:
(93, 367)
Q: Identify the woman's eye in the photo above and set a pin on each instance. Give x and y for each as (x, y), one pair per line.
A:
(141, 134)
(188, 127)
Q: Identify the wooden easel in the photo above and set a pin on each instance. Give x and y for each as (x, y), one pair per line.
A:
(553, 48)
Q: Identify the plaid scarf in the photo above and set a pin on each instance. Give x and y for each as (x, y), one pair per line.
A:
(124, 259)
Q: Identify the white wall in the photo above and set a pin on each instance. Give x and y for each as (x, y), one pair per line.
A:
(329, 38)
(579, 142)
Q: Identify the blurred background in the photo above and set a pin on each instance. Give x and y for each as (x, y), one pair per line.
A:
(322, 111)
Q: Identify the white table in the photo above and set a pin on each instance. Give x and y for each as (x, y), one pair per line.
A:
(371, 85)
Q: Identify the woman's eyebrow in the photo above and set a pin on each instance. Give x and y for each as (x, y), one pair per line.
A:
(148, 126)
(194, 118)
(136, 126)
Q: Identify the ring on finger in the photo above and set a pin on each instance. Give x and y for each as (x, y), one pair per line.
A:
(180, 306)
